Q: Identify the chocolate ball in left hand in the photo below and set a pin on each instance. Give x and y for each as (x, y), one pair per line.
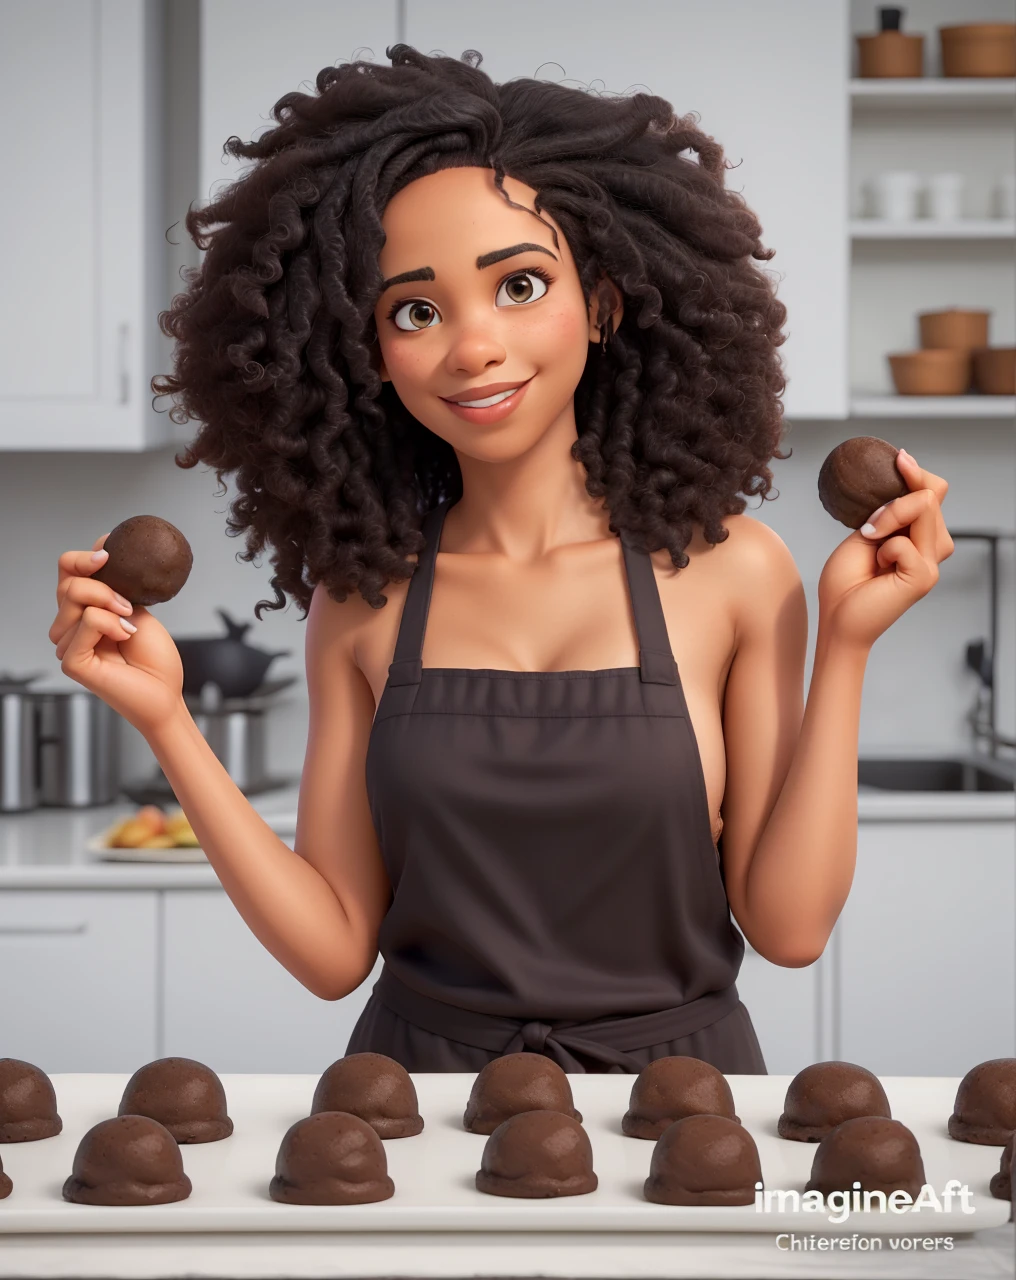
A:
(858, 477)
(149, 560)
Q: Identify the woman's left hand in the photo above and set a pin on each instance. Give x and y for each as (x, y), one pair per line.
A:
(875, 575)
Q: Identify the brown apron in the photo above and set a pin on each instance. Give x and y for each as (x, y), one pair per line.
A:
(555, 883)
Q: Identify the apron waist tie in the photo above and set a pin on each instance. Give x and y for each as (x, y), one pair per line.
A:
(602, 1039)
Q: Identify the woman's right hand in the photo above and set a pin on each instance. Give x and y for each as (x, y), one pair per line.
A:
(117, 651)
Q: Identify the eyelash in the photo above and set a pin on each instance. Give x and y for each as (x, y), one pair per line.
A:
(539, 272)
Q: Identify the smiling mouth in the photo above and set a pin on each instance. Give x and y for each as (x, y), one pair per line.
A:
(495, 398)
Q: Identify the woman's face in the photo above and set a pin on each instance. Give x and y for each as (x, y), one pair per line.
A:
(493, 306)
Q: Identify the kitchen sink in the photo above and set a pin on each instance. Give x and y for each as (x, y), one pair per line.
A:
(946, 773)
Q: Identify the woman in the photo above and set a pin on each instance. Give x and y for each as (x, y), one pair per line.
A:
(502, 353)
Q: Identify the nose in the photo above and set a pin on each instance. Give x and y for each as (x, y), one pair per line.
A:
(473, 350)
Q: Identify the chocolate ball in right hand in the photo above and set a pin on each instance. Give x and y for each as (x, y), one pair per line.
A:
(858, 477)
(149, 560)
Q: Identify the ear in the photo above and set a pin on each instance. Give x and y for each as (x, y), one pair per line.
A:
(605, 303)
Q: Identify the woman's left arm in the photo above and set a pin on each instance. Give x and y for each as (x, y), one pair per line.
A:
(790, 806)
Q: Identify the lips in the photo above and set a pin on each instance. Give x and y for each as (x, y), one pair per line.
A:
(480, 413)
(484, 393)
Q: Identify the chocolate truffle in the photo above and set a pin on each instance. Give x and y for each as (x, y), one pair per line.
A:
(880, 1154)
(669, 1089)
(704, 1160)
(514, 1083)
(824, 1095)
(149, 560)
(536, 1154)
(1001, 1182)
(185, 1096)
(985, 1107)
(27, 1103)
(374, 1087)
(5, 1183)
(125, 1161)
(331, 1157)
(858, 477)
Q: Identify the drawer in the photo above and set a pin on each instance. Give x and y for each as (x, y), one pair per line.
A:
(79, 978)
(228, 1002)
(784, 1008)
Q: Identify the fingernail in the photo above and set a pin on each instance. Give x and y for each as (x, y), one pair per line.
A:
(124, 604)
(868, 528)
(99, 555)
(908, 456)
(128, 626)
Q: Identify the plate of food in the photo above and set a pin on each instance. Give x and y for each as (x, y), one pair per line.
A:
(149, 835)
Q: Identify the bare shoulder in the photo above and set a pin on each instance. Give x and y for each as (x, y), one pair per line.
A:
(765, 577)
(359, 636)
(751, 573)
(750, 548)
(754, 548)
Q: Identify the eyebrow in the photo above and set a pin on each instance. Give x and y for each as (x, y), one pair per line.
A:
(484, 260)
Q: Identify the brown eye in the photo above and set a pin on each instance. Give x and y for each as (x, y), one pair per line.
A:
(415, 314)
(526, 286)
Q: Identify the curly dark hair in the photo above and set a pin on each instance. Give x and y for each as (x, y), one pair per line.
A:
(677, 414)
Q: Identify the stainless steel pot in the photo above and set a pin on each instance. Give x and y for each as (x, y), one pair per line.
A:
(78, 755)
(18, 789)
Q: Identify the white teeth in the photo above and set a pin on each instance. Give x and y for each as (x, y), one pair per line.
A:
(482, 404)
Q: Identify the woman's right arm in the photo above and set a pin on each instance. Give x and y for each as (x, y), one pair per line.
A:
(316, 908)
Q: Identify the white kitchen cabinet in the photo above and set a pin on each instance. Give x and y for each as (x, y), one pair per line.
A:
(82, 223)
(785, 1009)
(79, 978)
(228, 1002)
(926, 948)
(738, 64)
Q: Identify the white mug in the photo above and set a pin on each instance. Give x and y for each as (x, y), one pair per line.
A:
(1005, 196)
(943, 197)
(894, 195)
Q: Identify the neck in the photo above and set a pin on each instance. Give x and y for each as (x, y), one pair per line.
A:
(527, 506)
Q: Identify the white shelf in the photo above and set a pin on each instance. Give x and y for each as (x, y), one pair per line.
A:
(933, 93)
(926, 229)
(959, 407)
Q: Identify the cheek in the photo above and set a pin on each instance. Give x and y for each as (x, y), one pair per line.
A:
(558, 330)
(404, 361)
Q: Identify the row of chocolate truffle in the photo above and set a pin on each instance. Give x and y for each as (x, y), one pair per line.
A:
(188, 1098)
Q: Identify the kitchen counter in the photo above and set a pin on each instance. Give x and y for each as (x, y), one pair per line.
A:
(45, 848)
(437, 1224)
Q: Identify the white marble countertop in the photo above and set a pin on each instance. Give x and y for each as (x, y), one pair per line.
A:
(46, 848)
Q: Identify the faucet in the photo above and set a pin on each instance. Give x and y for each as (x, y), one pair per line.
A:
(981, 653)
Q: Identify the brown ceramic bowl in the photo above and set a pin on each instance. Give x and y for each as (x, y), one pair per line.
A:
(954, 328)
(933, 372)
(995, 371)
(890, 54)
(979, 49)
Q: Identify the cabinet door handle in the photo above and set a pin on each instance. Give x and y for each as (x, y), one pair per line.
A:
(123, 364)
(40, 930)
